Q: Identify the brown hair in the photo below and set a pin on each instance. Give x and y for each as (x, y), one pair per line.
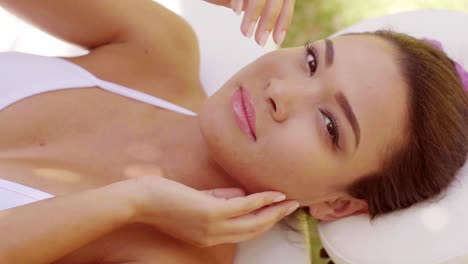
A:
(435, 146)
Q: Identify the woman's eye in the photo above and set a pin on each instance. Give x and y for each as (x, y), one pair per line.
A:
(312, 58)
(331, 127)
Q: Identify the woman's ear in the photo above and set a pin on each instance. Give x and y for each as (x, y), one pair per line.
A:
(338, 207)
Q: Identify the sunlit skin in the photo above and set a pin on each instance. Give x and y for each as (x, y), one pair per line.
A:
(55, 174)
(139, 170)
(144, 152)
(294, 152)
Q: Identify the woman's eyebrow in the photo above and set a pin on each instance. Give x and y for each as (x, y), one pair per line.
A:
(329, 52)
(341, 98)
(350, 116)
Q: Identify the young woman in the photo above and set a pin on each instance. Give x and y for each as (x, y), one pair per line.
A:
(367, 123)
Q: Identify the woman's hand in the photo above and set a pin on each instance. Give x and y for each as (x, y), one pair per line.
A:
(275, 15)
(207, 218)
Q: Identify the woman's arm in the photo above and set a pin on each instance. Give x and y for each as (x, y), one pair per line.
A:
(136, 43)
(48, 230)
(45, 231)
(91, 23)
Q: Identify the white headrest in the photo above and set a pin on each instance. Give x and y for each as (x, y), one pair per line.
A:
(429, 232)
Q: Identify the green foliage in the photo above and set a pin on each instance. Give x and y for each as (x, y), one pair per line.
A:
(309, 228)
(316, 19)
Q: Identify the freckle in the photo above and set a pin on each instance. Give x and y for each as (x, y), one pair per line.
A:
(144, 152)
(146, 51)
(60, 175)
(138, 170)
(42, 144)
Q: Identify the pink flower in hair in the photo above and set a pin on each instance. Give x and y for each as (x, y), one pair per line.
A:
(462, 74)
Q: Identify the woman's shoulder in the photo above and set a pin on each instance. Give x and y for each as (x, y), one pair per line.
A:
(160, 58)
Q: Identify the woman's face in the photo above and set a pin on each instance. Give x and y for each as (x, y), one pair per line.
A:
(323, 117)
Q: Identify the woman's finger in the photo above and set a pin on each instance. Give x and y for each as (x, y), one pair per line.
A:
(268, 20)
(252, 13)
(226, 193)
(237, 5)
(237, 238)
(284, 21)
(260, 221)
(244, 205)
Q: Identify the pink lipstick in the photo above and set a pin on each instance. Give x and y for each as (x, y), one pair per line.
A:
(244, 112)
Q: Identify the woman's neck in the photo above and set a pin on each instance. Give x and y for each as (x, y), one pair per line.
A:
(186, 159)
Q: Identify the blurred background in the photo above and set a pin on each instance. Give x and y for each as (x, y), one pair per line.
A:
(316, 19)
(313, 19)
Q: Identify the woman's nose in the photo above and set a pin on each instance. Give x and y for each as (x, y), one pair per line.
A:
(282, 95)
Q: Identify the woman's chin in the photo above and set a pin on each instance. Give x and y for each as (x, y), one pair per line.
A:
(228, 146)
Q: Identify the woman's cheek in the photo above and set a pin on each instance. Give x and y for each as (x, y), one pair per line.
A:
(293, 152)
(275, 65)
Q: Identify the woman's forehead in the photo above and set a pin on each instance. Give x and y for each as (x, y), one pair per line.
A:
(367, 70)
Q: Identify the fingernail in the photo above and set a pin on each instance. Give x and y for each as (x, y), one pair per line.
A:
(279, 198)
(292, 208)
(263, 38)
(281, 37)
(311, 210)
(237, 6)
(251, 29)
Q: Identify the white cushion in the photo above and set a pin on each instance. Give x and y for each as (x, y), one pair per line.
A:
(429, 232)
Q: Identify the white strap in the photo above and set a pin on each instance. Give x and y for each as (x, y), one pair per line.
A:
(142, 97)
(24, 190)
(131, 93)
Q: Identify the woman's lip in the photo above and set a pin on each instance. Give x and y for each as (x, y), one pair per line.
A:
(244, 112)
